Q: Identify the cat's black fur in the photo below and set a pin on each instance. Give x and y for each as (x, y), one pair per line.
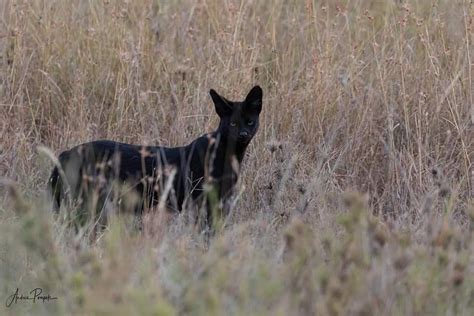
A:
(213, 159)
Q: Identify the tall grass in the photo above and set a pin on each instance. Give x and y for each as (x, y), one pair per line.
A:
(356, 196)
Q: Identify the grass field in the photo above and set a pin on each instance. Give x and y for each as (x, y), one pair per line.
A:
(356, 196)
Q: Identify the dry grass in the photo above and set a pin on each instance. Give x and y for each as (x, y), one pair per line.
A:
(365, 96)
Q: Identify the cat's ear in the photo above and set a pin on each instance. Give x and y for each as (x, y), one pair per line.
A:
(222, 105)
(253, 101)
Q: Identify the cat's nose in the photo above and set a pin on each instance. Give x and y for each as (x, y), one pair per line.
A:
(244, 134)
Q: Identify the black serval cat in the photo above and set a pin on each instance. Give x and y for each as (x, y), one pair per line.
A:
(201, 173)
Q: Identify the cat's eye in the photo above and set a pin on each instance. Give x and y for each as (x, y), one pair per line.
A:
(233, 124)
(250, 123)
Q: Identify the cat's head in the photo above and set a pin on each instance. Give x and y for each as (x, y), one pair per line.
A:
(239, 120)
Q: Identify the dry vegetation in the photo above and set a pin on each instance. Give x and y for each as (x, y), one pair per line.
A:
(356, 196)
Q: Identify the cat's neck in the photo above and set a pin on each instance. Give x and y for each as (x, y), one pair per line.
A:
(226, 147)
